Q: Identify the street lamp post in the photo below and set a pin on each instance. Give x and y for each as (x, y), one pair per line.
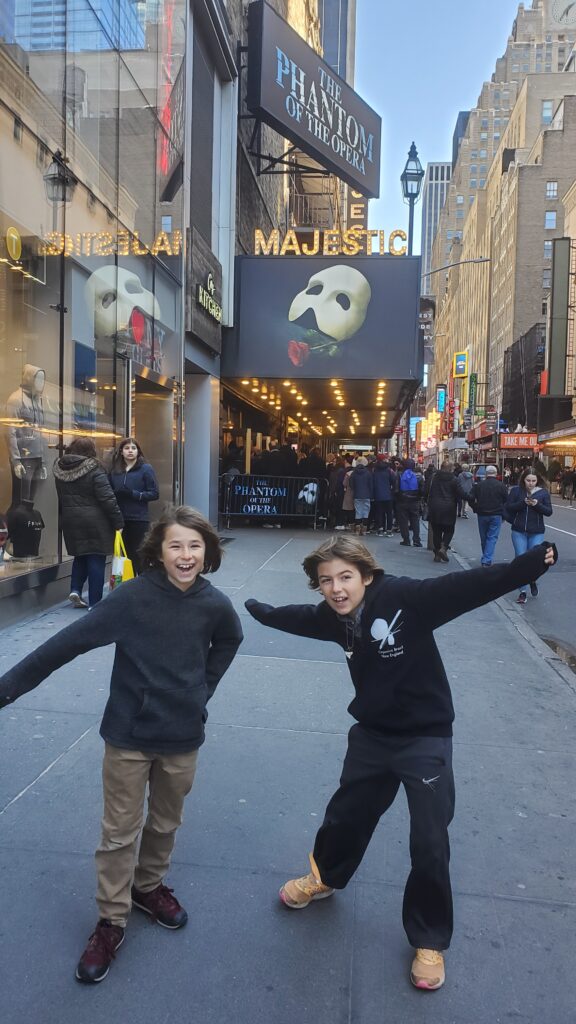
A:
(411, 179)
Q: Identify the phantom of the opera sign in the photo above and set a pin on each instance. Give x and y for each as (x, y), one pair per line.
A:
(326, 317)
(294, 91)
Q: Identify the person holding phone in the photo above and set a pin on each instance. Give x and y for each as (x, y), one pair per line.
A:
(526, 507)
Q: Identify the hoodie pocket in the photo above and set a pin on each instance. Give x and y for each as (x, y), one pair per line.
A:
(171, 716)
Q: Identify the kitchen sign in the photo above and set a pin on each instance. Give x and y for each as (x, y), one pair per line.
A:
(301, 97)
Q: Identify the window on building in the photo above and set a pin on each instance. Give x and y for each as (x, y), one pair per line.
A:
(525, 67)
(459, 214)
(166, 224)
(459, 200)
(545, 307)
(547, 111)
(18, 129)
(515, 67)
(496, 136)
(482, 182)
(551, 190)
(548, 250)
(473, 154)
(473, 182)
(483, 136)
(484, 122)
(473, 168)
(547, 67)
(550, 219)
(547, 278)
(483, 154)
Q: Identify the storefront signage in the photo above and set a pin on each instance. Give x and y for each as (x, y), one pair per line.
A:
(460, 367)
(270, 497)
(441, 398)
(483, 430)
(13, 243)
(518, 440)
(205, 298)
(472, 393)
(353, 242)
(294, 91)
(107, 243)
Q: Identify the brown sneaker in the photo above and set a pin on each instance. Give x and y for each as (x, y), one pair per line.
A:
(162, 906)
(428, 969)
(95, 961)
(299, 892)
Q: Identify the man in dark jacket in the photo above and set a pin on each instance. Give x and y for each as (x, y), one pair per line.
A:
(384, 479)
(404, 713)
(410, 487)
(488, 499)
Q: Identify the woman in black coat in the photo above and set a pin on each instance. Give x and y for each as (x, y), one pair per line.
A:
(443, 498)
(90, 517)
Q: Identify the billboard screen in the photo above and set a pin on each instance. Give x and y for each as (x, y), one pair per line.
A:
(321, 317)
(294, 91)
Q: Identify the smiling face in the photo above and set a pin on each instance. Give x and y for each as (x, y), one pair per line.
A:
(182, 554)
(342, 585)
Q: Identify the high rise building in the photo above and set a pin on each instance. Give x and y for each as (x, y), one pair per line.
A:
(338, 34)
(459, 133)
(80, 26)
(433, 196)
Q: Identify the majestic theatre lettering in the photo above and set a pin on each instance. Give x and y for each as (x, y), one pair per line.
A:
(354, 242)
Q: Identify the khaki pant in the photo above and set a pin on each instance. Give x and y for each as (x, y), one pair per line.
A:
(125, 776)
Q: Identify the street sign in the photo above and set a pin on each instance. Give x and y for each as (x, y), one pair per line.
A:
(472, 392)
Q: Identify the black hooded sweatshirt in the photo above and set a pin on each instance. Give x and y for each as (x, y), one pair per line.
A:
(172, 649)
(398, 675)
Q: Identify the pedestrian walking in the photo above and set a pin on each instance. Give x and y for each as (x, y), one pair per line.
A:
(384, 480)
(90, 516)
(526, 507)
(410, 488)
(175, 636)
(465, 485)
(348, 510)
(488, 498)
(442, 505)
(362, 487)
(135, 485)
(404, 713)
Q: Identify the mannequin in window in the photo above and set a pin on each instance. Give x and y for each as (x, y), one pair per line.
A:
(25, 411)
(25, 525)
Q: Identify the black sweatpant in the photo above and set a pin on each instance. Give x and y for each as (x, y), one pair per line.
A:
(133, 534)
(408, 518)
(374, 767)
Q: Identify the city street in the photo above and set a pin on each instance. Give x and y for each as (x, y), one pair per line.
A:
(275, 740)
(553, 614)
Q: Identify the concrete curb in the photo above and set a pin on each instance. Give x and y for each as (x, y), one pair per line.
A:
(535, 643)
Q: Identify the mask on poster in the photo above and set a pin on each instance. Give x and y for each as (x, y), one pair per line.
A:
(339, 297)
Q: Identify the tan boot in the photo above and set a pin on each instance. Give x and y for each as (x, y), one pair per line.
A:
(299, 892)
(428, 969)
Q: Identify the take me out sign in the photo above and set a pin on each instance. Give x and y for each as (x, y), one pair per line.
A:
(294, 91)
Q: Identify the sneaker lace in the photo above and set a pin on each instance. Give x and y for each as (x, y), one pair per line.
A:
(102, 943)
(430, 956)
(164, 899)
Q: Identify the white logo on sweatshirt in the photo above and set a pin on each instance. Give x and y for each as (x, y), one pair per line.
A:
(384, 635)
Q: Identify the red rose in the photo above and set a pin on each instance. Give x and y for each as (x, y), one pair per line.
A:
(298, 352)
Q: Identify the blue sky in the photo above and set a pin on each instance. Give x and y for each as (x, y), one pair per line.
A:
(418, 64)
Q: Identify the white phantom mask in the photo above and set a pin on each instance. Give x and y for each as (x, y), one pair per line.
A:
(338, 297)
(113, 293)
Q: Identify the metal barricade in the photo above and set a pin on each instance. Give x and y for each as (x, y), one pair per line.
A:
(268, 499)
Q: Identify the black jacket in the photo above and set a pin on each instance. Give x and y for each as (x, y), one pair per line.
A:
(443, 498)
(400, 682)
(90, 513)
(488, 497)
(172, 649)
(134, 489)
(362, 482)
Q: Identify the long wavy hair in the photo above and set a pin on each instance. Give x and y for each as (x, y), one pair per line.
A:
(541, 481)
(117, 464)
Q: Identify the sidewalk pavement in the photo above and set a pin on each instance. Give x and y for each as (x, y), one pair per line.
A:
(275, 742)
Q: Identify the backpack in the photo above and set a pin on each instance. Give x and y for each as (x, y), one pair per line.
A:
(409, 481)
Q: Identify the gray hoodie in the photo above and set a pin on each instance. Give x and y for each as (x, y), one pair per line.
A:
(172, 649)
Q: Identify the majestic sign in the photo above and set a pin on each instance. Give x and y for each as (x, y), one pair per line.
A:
(321, 318)
(353, 242)
(294, 91)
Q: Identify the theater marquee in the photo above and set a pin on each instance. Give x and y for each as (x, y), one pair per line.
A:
(294, 91)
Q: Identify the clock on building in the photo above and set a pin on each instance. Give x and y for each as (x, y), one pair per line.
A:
(564, 12)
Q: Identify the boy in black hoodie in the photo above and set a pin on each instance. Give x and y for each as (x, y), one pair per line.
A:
(175, 637)
(404, 714)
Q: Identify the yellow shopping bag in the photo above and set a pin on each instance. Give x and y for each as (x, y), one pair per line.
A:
(122, 568)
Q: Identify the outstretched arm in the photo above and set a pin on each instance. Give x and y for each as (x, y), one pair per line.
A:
(98, 628)
(301, 619)
(442, 599)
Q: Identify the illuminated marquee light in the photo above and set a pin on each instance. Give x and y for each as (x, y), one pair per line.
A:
(353, 242)
(104, 243)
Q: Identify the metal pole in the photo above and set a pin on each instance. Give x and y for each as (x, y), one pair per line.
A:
(411, 202)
